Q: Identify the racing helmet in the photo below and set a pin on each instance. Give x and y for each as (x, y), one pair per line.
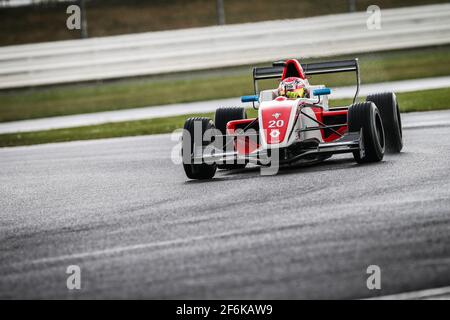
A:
(292, 88)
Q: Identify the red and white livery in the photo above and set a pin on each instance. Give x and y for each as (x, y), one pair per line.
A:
(293, 128)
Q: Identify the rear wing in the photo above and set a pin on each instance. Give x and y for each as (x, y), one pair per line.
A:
(276, 71)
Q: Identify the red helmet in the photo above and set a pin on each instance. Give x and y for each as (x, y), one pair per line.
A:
(292, 87)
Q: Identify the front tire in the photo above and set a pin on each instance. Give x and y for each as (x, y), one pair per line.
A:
(222, 117)
(364, 117)
(193, 170)
(390, 114)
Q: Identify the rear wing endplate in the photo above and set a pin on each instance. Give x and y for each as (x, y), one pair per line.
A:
(276, 71)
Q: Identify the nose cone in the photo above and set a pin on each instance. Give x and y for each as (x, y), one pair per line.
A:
(275, 122)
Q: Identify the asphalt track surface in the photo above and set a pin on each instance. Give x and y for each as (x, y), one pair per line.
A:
(123, 212)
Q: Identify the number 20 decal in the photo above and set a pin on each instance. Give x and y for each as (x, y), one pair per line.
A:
(276, 123)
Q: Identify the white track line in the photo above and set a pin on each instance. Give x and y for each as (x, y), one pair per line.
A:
(438, 293)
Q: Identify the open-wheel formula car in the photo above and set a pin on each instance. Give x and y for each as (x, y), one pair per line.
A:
(294, 124)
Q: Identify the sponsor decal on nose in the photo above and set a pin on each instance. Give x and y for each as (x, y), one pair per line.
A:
(275, 133)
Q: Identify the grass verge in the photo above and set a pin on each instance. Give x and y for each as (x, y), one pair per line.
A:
(198, 86)
(415, 101)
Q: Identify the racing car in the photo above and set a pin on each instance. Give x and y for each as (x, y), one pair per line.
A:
(294, 124)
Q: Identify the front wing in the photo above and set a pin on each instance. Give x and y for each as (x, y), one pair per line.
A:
(348, 143)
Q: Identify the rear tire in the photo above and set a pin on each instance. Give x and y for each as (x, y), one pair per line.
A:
(201, 170)
(222, 117)
(365, 116)
(387, 105)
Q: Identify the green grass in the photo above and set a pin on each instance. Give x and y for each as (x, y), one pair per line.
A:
(428, 100)
(108, 130)
(416, 101)
(212, 84)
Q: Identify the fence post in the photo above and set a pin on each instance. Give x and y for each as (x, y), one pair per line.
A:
(220, 12)
(352, 5)
(84, 24)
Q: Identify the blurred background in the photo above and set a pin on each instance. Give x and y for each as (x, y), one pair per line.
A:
(137, 54)
(30, 21)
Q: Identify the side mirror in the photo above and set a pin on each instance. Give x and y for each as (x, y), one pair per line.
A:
(321, 92)
(252, 98)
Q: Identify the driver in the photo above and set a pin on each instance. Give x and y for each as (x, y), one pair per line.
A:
(293, 88)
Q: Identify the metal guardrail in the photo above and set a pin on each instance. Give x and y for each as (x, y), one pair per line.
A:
(219, 46)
